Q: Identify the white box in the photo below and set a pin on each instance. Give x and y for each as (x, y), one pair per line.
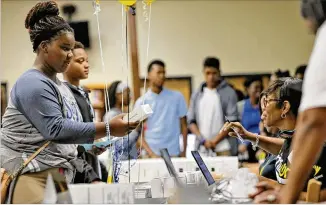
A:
(139, 114)
(79, 193)
(96, 193)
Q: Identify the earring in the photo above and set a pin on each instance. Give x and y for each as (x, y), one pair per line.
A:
(283, 116)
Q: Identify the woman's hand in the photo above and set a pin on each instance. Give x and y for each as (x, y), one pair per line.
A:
(242, 148)
(119, 127)
(266, 193)
(229, 126)
(209, 144)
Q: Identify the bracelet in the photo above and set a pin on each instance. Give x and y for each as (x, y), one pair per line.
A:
(107, 128)
(254, 146)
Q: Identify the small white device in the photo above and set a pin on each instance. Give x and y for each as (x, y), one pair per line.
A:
(234, 130)
(139, 114)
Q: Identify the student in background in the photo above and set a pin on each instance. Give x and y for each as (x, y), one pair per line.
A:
(278, 74)
(119, 96)
(300, 71)
(78, 70)
(209, 104)
(249, 115)
(168, 121)
(239, 93)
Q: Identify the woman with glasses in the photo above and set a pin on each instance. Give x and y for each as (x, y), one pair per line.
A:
(280, 110)
(267, 167)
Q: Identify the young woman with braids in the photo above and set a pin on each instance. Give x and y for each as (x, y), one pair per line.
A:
(41, 108)
(280, 110)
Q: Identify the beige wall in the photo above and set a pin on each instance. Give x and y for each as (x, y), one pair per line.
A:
(248, 36)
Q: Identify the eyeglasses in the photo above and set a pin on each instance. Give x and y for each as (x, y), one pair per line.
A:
(267, 101)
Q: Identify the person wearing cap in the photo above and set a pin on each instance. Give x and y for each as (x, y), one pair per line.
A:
(119, 97)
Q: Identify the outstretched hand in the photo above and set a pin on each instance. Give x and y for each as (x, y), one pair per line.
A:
(231, 126)
(119, 127)
(209, 144)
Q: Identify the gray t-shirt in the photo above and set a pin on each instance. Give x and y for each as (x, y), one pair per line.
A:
(39, 110)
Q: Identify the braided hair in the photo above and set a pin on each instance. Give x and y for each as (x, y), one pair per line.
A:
(44, 23)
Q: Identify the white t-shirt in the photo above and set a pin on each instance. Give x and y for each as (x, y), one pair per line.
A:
(211, 117)
(314, 84)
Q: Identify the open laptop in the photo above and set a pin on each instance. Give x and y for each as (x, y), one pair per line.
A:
(168, 162)
(186, 194)
(203, 168)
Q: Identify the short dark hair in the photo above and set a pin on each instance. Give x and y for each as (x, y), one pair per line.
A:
(301, 69)
(212, 62)
(281, 74)
(44, 23)
(249, 80)
(315, 10)
(79, 45)
(289, 89)
(155, 62)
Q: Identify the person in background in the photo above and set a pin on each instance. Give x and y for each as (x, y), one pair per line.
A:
(119, 96)
(42, 109)
(168, 121)
(249, 115)
(239, 93)
(300, 71)
(209, 104)
(78, 70)
(278, 74)
(311, 127)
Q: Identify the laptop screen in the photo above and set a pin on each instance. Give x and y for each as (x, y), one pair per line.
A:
(203, 168)
(168, 162)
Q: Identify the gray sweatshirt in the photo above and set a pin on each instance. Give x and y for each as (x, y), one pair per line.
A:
(39, 110)
(229, 101)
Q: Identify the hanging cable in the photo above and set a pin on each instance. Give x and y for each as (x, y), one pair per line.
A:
(122, 170)
(96, 4)
(119, 150)
(144, 96)
(128, 110)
